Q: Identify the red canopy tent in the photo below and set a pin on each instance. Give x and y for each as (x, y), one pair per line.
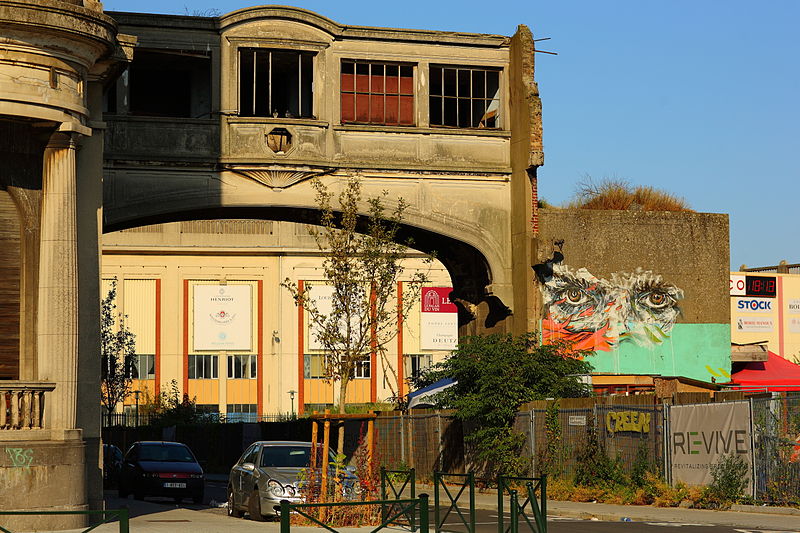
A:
(776, 374)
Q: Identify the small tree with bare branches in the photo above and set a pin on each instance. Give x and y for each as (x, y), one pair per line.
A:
(362, 264)
(117, 352)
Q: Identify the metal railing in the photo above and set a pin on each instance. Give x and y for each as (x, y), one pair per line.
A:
(108, 515)
(397, 481)
(405, 507)
(22, 404)
(517, 511)
(468, 482)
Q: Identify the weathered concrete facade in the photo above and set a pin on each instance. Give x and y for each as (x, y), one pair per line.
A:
(54, 58)
(466, 182)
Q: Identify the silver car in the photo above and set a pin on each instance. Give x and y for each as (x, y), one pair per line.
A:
(270, 471)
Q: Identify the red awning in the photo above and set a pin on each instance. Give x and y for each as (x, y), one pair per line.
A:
(775, 374)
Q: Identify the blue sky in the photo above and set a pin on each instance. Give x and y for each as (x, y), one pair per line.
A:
(698, 97)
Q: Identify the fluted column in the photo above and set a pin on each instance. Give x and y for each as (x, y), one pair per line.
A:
(58, 282)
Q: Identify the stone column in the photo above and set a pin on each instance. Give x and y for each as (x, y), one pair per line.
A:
(58, 282)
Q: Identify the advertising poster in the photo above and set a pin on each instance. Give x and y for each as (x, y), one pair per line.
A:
(322, 296)
(223, 317)
(701, 435)
(438, 319)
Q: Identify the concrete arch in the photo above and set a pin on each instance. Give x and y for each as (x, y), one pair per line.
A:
(475, 262)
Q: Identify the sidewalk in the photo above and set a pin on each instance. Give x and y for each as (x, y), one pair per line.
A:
(745, 516)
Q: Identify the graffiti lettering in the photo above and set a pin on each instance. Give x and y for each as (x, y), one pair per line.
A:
(627, 421)
(20, 457)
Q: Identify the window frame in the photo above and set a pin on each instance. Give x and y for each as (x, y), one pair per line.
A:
(488, 100)
(249, 368)
(213, 366)
(269, 50)
(369, 94)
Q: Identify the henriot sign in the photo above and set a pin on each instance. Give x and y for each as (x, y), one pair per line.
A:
(701, 435)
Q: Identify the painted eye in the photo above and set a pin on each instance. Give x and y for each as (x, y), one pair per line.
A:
(657, 300)
(576, 296)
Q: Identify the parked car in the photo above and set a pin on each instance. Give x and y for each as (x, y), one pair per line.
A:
(270, 471)
(112, 465)
(156, 468)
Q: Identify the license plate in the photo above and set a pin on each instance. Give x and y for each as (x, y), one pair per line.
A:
(174, 485)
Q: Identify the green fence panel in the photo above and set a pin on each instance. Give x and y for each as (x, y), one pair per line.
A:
(468, 482)
(393, 484)
(537, 519)
(405, 506)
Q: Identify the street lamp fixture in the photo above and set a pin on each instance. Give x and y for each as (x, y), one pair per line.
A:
(136, 394)
(291, 397)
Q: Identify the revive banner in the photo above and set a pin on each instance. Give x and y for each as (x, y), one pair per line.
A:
(702, 434)
(223, 317)
(438, 319)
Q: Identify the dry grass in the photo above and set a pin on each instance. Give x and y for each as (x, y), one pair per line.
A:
(619, 194)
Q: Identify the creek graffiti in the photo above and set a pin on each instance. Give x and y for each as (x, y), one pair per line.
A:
(599, 314)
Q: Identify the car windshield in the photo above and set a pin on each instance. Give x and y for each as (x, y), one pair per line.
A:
(290, 456)
(167, 453)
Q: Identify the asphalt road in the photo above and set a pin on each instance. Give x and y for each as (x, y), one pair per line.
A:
(486, 520)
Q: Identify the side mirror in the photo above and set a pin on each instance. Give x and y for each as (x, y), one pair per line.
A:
(249, 467)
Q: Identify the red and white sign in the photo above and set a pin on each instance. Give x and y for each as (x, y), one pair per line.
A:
(738, 286)
(439, 319)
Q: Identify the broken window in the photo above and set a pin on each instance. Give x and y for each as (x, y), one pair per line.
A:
(275, 83)
(170, 83)
(377, 93)
(464, 97)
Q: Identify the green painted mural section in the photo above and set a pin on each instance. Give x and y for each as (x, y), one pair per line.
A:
(699, 351)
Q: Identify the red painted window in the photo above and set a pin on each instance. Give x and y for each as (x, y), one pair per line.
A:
(377, 93)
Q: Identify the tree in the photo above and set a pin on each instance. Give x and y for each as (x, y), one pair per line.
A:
(361, 264)
(169, 408)
(117, 353)
(494, 376)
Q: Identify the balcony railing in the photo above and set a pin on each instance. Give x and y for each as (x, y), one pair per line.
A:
(22, 404)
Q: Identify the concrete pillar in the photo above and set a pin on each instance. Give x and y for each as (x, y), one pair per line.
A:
(58, 282)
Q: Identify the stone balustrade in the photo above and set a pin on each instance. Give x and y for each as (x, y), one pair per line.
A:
(22, 404)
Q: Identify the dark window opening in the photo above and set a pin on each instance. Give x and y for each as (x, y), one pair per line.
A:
(275, 83)
(170, 83)
(377, 93)
(464, 97)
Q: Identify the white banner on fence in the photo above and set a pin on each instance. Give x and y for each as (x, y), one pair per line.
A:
(702, 434)
(223, 317)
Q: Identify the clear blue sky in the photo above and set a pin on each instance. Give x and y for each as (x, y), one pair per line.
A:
(701, 98)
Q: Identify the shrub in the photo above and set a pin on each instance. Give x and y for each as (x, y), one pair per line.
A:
(619, 194)
(730, 478)
(595, 468)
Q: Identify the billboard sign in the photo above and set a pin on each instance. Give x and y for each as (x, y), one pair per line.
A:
(439, 319)
(702, 434)
(223, 317)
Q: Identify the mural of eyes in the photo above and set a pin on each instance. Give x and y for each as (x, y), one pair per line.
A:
(599, 314)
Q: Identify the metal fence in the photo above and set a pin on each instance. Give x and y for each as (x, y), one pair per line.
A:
(776, 448)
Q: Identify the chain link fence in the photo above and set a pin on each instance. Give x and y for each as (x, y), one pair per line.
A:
(776, 448)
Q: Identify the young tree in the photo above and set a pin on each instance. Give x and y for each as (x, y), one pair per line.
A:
(495, 375)
(361, 265)
(117, 353)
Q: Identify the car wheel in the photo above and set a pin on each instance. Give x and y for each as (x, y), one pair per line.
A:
(232, 510)
(254, 506)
